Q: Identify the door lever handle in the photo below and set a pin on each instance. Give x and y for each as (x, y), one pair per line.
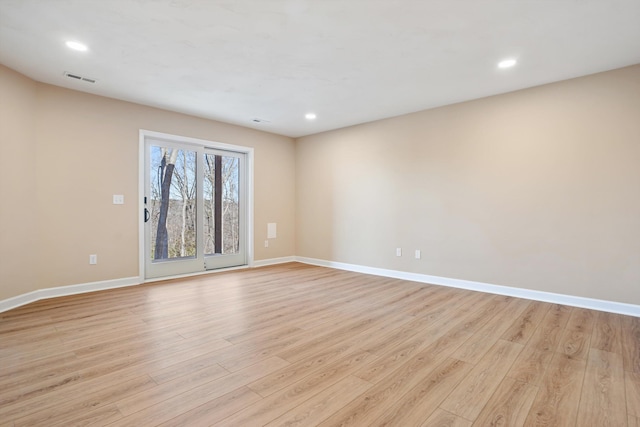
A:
(146, 215)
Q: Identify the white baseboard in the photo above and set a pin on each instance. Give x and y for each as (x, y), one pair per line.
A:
(575, 301)
(19, 300)
(61, 291)
(273, 261)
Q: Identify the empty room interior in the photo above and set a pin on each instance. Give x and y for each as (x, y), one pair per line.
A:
(319, 213)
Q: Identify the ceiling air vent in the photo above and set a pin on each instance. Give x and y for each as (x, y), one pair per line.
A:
(79, 77)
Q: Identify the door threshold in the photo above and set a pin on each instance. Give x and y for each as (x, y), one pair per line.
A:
(198, 273)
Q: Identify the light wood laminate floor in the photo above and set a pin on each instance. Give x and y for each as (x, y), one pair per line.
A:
(300, 345)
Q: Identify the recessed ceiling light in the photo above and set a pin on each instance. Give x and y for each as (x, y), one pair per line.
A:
(507, 63)
(310, 116)
(77, 46)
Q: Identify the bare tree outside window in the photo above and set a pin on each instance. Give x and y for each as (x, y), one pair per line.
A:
(229, 220)
(173, 203)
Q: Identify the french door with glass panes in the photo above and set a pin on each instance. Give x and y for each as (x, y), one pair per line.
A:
(195, 207)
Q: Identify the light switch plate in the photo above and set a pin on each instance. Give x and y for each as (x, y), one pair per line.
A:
(118, 199)
(271, 230)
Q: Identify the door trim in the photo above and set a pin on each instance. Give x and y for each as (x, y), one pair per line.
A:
(248, 151)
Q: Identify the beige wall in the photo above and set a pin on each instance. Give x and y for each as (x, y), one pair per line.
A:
(18, 205)
(86, 150)
(538, 189)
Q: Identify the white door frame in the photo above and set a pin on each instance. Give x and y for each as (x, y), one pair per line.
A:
(248, 151)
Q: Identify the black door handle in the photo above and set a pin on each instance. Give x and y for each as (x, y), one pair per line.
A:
(146, 215)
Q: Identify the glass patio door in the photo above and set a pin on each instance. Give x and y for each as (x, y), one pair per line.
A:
(223, 209)
(194, 208)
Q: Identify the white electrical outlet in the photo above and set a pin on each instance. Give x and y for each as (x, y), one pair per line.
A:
(418, 254)
(93, 259)
(118, 199)
(266, 243)
(398, 251)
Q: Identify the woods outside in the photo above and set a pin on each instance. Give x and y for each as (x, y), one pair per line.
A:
(173, 210)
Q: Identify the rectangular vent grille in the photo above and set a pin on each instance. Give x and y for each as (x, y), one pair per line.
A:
(78, 77)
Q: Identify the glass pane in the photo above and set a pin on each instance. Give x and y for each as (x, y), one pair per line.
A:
(173, 203)
(222, 225)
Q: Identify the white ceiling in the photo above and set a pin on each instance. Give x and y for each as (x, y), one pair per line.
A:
(349, 61)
